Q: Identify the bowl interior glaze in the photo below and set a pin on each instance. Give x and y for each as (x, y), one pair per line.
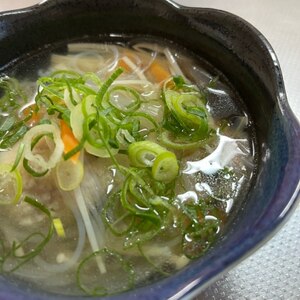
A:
(230, 44)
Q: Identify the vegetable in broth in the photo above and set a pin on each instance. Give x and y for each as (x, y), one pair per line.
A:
(116, 167)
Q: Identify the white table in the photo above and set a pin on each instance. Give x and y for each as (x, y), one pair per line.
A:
(272, 272)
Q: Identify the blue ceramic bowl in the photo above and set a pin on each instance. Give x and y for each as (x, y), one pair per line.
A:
(242, 54)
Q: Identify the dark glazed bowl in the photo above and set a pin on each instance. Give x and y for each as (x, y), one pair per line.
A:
(245, 58)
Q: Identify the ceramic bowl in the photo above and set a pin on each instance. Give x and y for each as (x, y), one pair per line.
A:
(234, 47)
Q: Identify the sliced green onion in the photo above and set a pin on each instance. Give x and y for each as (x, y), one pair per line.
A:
(7, 124)
(165, 167)
(118, 219)
(96, 129)
(90, 125)
(62, 74)
(97, 134)
(69, 93)
(76, 120)
(11, 185)
(75, 150)
(124, 137)
(130, 93)
(69, 174)
(137, 205)
(69, 99)
(37, 138)
(120, 271)
(59, 228)
(143, 153)
(179, 144)
(145, 116)
(33, 251)
(11, 137)
(189, 111)
(149, 154)
(32, 171)
(92, 77)
(88, 105)
(37, 160)
(198, 239)
(12, 97)
(105, 86)
(100, 151)
(18, 157)
(144, 230)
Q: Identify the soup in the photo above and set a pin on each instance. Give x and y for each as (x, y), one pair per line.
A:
(120, 163)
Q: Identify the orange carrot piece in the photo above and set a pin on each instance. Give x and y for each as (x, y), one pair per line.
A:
(35, 114)
(159, 72)
(69, 140)
(123, 65)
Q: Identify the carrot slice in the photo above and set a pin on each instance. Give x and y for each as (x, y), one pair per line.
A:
(158, 72)
(124, 65)
(69, 140)
(36, 115)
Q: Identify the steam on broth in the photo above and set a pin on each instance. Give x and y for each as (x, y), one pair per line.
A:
(119, 164)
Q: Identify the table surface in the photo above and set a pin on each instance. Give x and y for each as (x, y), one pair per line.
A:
(273, 271)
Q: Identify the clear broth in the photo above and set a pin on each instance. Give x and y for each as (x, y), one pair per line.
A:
(217, 174)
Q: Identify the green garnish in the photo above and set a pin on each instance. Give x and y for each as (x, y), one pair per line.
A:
(179, 81)
(11, 185)
(189, 112)
(105, 86)
(117, 265)
(18, 157)
(11, 96)
(31, 171)
(149, 154)
(143, 153)
(165, 167)
(29, 247)
(185, 116)
(106, 119)
(11, 131)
